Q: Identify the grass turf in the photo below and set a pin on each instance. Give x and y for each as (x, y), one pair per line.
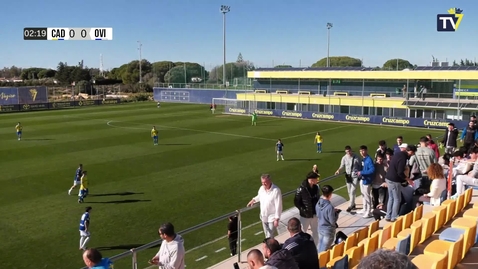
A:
(205, 166)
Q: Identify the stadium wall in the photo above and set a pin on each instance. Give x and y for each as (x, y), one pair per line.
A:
(197, 96)
(56, 105)
(23, 95)
(395, 121)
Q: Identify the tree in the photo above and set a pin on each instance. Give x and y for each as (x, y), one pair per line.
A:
(185, 73)
(46, 73)
(397, 64)
(283, 66)
(239, 58)
(339, 61)
(159, 69)
(233, 71)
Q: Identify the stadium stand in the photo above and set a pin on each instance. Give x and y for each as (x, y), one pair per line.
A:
(433, 237)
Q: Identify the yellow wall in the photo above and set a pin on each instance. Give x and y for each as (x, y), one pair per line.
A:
(399, 75)
(320, 100)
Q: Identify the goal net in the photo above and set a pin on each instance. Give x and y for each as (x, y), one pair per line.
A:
(226, 105)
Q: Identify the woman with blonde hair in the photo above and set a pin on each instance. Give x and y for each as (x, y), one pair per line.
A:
(438, 185)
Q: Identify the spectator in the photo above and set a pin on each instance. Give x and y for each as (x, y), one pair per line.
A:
(470, 179)
(396, 147)
(328, 216)
(94, 260)
(305, 199)
(449, 139)
(438, 185)
(315, 169)
(270, 198)
(232, 227)
(421, 160)
(278, 257)
(394, 178)
(350, 162)
(469, 135)
(382, 148)
(301, 246)
(386, 259)
(433, 146)
(171, 253)
(378, 191)
(388, 156)
(255, 259)
(366, 175)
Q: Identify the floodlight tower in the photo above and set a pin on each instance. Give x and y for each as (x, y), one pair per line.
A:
(329, 26)
(140, 60)
(224, 10)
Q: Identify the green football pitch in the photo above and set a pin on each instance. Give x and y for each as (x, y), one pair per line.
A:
(204, 166)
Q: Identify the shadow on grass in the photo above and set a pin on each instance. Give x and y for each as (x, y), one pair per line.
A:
(301, 160)
(119, 201)
(120, 247)
(37, 139)
(116, 194)
(334, 151)
(172, 144)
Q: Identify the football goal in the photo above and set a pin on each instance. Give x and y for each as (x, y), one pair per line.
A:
(226, 105)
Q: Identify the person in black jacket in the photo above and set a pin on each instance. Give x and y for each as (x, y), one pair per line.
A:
(276, 256)
(449, 139)
(232, 227)
(469, 135)
(301, 246)
(396, 175)
(305, 199)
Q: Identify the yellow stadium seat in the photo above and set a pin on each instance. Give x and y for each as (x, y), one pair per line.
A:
(355, 254)
(460, 203)
(475, 205)
(362, 234)
(438, 261)
(470, 232)
(453, 248)
(324, 258)
(371, 245)
(415, 231)
(471, 213)
(428, 226)
(468, 196)
(418, 213)
(331, 263)
(451, 209)
(337, 250)
(397, 227)
(441, 217)
(407, 220)
(350, 242)
(385, 235)
(373, 227)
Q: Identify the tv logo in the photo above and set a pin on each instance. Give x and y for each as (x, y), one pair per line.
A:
(451, 21)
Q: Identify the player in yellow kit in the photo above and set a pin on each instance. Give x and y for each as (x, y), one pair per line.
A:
(318, 141)
(154, 135)
(19, 129)
(83, 187)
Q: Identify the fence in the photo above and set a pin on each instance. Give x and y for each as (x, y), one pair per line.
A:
(242, 219)
(203, 86)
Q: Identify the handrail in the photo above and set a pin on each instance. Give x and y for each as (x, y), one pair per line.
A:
(133, 251)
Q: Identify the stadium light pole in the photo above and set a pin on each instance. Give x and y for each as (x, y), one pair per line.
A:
(140, 73)
(224, 10)
(329, 25)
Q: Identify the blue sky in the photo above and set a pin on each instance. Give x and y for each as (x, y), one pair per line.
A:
(265, 32)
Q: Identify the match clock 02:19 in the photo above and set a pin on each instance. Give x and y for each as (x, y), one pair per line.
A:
(35, 33)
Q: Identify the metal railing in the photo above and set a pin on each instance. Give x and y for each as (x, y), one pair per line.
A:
(204, 86)
(134, 252)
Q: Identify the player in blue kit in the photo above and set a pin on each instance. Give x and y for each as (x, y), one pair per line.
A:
(19, 129)
(77, 179)
(85, 228)
(279, 148)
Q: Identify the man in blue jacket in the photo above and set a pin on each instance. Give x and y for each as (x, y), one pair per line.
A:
(366, 175)
(94, 260)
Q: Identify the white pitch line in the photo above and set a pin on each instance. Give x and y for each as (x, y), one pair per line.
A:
(258, 233)
(243, 239)
(202, 258)
(219, 250)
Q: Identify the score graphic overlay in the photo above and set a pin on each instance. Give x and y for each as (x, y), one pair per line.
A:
(58, 33)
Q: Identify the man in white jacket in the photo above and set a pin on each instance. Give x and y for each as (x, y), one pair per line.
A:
(171, 253)
(270, 198)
